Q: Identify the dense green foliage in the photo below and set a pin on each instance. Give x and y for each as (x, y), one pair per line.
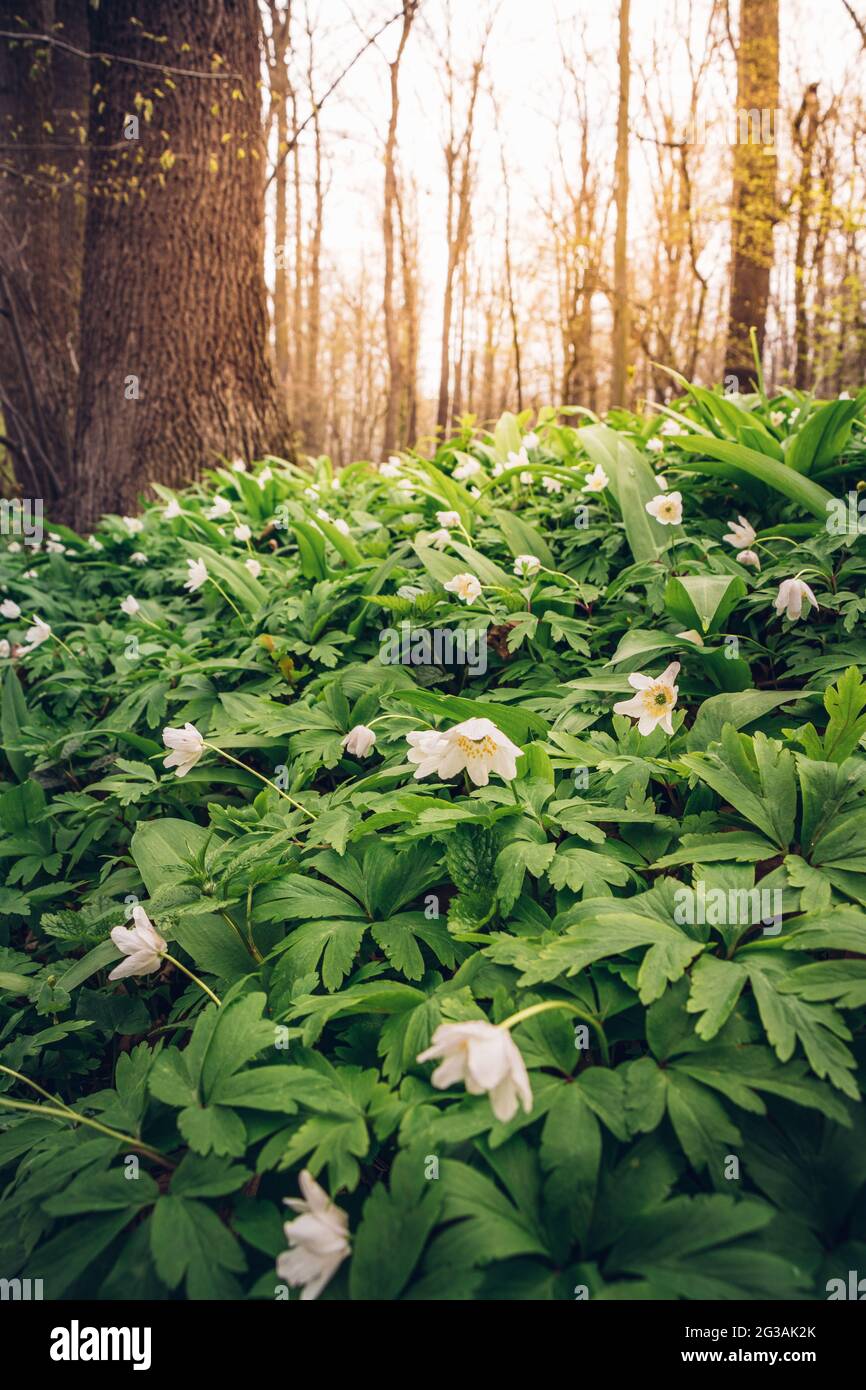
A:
(696, 1129)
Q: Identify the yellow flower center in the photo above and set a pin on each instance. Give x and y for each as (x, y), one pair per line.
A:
(476, 748)
(658, 698)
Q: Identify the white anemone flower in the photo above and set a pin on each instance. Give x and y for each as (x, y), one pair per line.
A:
(655, 445)
(667, 508)
(518, 459)
(359, 742)
(525, 566)
(654, 702)
(221, 507)
(777, 418)
(138, 558)
(342, 526)
(238, 466)
(318, 1237)
(526, 478)
(662, 482)
(392, 469)
(130, 605)
(264, 477)
(476, 745)
(467, 468)
(741, 533)
(448, 518)
(467, 587)
(141, 944)
(55, 547)
(186, 745)
(197, 576)
(486, 1059)
(531, 440)
(37, 634)
(749, 557)
(439, 539)
(596, 481)
(9, 609)
(551, 485)
(171, 510)
(242, 533)
(5, 649)
(133, 524)
(789, 599)
(254, 567)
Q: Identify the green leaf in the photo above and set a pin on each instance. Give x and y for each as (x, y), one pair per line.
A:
(13, 716)
(632, 483)
(703, 601)
(394, 1229)
(733, 461)
(570, 1155)
(189, 1241)
(716, 987)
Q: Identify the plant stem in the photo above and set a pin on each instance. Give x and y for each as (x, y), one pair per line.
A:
(65, 1112)
(249, 945)
(267, 781)
(221, 590)
(523, 1014)
(201, 984)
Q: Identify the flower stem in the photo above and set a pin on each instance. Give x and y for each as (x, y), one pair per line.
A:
(267, 781)
(65, 1112)
(249, 945)
(523, 1014)
(201, 984)
(221, 590)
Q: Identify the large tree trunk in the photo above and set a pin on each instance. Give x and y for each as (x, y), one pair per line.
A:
(620, 263)
(174, 359)
(754, 209)
(43, 182)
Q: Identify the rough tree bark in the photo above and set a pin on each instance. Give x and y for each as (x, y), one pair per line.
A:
(43, 182)
(753, 209)
(174, 361)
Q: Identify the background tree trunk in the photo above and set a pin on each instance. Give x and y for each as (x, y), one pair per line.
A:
(620, 263)
(754, 207)
(43, 183)
(393, 345)
(174, 362)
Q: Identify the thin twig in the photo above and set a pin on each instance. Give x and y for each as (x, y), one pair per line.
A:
(25, 35)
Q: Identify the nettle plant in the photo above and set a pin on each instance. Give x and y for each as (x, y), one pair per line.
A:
(446, 878)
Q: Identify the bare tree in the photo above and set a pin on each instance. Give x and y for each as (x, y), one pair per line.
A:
(390, 234)
(459, 160)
